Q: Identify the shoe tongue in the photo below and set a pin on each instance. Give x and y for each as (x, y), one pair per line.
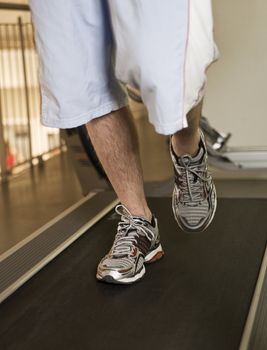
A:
(187, 159)
(141, 218)
(198, 157)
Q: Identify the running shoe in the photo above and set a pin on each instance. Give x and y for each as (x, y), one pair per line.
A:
(137, 242)
(194, 198)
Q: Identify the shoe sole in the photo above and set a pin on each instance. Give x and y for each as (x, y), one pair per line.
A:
(198, 230)
(151, 257)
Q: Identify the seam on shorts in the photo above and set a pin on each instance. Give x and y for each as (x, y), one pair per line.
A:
(85, 117)
(184, 118)
(201, 90)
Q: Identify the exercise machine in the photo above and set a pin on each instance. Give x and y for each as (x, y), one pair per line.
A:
(207, 293)
(221, 155)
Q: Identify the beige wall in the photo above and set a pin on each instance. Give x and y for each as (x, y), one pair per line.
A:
(236, 92)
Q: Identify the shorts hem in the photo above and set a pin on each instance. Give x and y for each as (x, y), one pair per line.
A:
(85, 117)
(170, 128)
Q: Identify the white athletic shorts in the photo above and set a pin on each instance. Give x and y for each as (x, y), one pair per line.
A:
(88, 50)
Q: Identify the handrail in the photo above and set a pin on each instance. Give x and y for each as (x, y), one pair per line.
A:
(16, 7)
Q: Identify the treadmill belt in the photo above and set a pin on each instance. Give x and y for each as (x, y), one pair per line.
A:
(196, 298)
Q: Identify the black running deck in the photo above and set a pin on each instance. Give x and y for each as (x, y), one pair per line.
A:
(196, 298)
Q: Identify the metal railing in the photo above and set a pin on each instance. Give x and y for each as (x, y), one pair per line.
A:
(23, 140)
(16, 7)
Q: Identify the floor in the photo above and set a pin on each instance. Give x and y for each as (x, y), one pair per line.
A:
(34, 197)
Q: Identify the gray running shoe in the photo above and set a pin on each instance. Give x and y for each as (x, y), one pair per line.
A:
(194, 198)
(137, 242)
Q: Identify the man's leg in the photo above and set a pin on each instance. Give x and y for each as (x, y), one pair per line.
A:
(194, 196)
(137, 241)
(115, 140)
(187, 140)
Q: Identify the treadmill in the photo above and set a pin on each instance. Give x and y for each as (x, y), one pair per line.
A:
(207, 293)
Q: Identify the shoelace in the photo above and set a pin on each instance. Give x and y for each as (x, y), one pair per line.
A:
(129, 228)
(193, 179)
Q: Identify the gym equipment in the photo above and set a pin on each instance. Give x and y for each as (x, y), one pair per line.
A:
(220, 154)
(201, 296)
(209, 291)
(85, 160)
